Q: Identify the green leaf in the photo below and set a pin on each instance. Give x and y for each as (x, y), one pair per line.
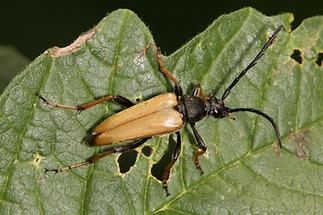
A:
(11, 62)
(243, 175)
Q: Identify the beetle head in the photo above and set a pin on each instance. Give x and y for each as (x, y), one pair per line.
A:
(217, 108)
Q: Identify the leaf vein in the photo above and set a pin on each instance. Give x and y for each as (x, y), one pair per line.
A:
(302, 192)
(22, 133)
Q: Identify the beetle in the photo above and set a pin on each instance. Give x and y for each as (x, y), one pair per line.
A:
(163, 114)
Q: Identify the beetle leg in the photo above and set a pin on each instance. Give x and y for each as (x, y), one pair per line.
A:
(175, 156)
(197, 90)
(163, 68)
(200, 150)
(119, 99)
(95, 158)
(178, 89)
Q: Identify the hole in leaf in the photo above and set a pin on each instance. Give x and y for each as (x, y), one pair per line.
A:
(297, 56)
(158, 168)
(147, 150)
(137, 100)
(127, 160)
(319, 59)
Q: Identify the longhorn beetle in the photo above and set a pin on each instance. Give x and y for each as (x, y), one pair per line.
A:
(163, 114)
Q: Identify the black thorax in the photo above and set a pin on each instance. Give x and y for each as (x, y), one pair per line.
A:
(195, 108)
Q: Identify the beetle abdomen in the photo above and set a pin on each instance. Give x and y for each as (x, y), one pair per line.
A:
(153, 117)
(159, 123)
(158, 103)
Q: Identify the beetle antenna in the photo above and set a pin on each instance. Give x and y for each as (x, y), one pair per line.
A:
(253, 62)
(271, 120)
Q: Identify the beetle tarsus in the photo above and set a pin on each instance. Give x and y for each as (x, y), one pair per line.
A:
(163, 69)
(199, 152)
(166, 176)
(198, 166)
(42, 98)
(119, 99)
(165, 187)
(201, 148)
(145, 50)
(53, 104)
(78, 112)
(175, 156)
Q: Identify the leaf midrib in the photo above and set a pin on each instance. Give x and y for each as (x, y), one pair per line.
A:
(111, 80)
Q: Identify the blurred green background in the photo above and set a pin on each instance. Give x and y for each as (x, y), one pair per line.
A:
(31, 27)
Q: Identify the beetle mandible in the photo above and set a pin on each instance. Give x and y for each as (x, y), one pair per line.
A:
(163, 114)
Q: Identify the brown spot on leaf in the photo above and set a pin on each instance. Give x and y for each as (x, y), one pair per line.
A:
(73, 47)
(299, 137)
(36, 161)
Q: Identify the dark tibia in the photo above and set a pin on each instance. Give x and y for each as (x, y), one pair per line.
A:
(178, 90)
(168, 168)
(197, 90)
(123, 101)
(95, 158)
